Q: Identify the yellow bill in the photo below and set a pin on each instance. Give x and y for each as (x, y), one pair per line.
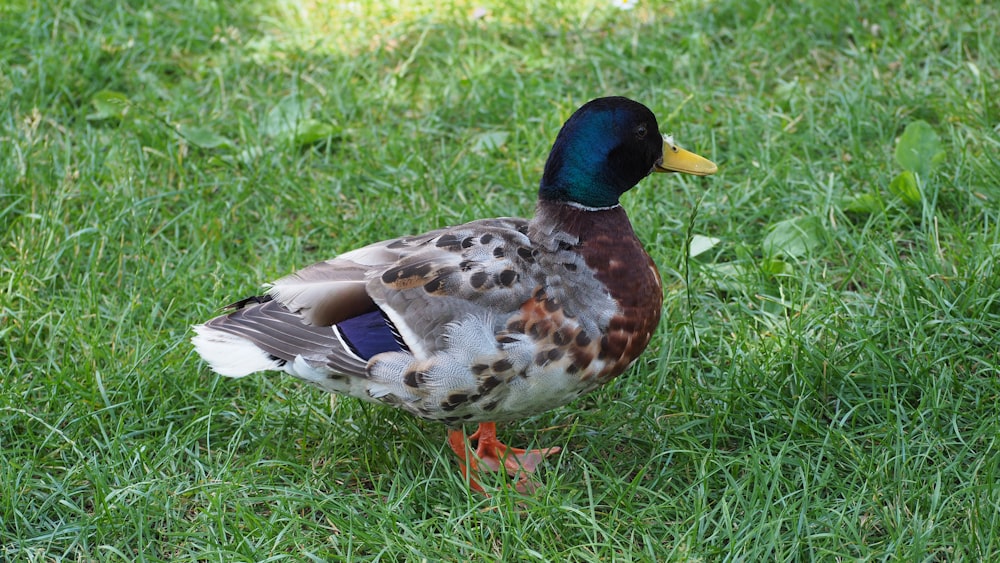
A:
(676, 159)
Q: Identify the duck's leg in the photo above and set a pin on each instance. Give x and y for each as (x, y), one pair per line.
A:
(456, 440)
(493, 454)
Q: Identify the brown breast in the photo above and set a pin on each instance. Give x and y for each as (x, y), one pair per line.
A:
(610, 248)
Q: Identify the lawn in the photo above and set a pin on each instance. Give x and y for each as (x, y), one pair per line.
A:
(825, 384)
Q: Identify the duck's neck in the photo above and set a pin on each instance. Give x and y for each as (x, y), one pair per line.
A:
(605, 239)
(586, 225)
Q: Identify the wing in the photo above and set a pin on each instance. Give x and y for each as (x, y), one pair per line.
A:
(421, 283)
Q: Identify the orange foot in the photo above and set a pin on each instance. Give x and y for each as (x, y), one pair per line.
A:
(491, 453)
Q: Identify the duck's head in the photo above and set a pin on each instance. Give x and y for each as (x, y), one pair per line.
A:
(605, 148)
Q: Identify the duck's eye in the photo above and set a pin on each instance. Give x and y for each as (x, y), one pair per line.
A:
(640, 131)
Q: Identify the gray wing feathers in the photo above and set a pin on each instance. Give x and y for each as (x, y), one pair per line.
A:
(278, 331)
(484, 270)
(481, 269)
(329, 292)
(325, 293)
(423, 283)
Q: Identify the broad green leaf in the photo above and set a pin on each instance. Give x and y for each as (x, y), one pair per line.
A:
(919, 149)
(776, 267)
(726, 276)
(203, 137)
(701, 244)
(286, 117)
(108, 104)
(905, 186)
(312, 131)
(488, 141)
(864, 203)
(794, 237)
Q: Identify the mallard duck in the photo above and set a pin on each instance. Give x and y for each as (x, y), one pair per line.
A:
(494, 320)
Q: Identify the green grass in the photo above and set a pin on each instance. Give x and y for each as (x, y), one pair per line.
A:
(839, 402)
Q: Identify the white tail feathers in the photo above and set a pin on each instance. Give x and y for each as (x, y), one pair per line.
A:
(231, 355)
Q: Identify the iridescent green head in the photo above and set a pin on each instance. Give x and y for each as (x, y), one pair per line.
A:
(605, 148)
